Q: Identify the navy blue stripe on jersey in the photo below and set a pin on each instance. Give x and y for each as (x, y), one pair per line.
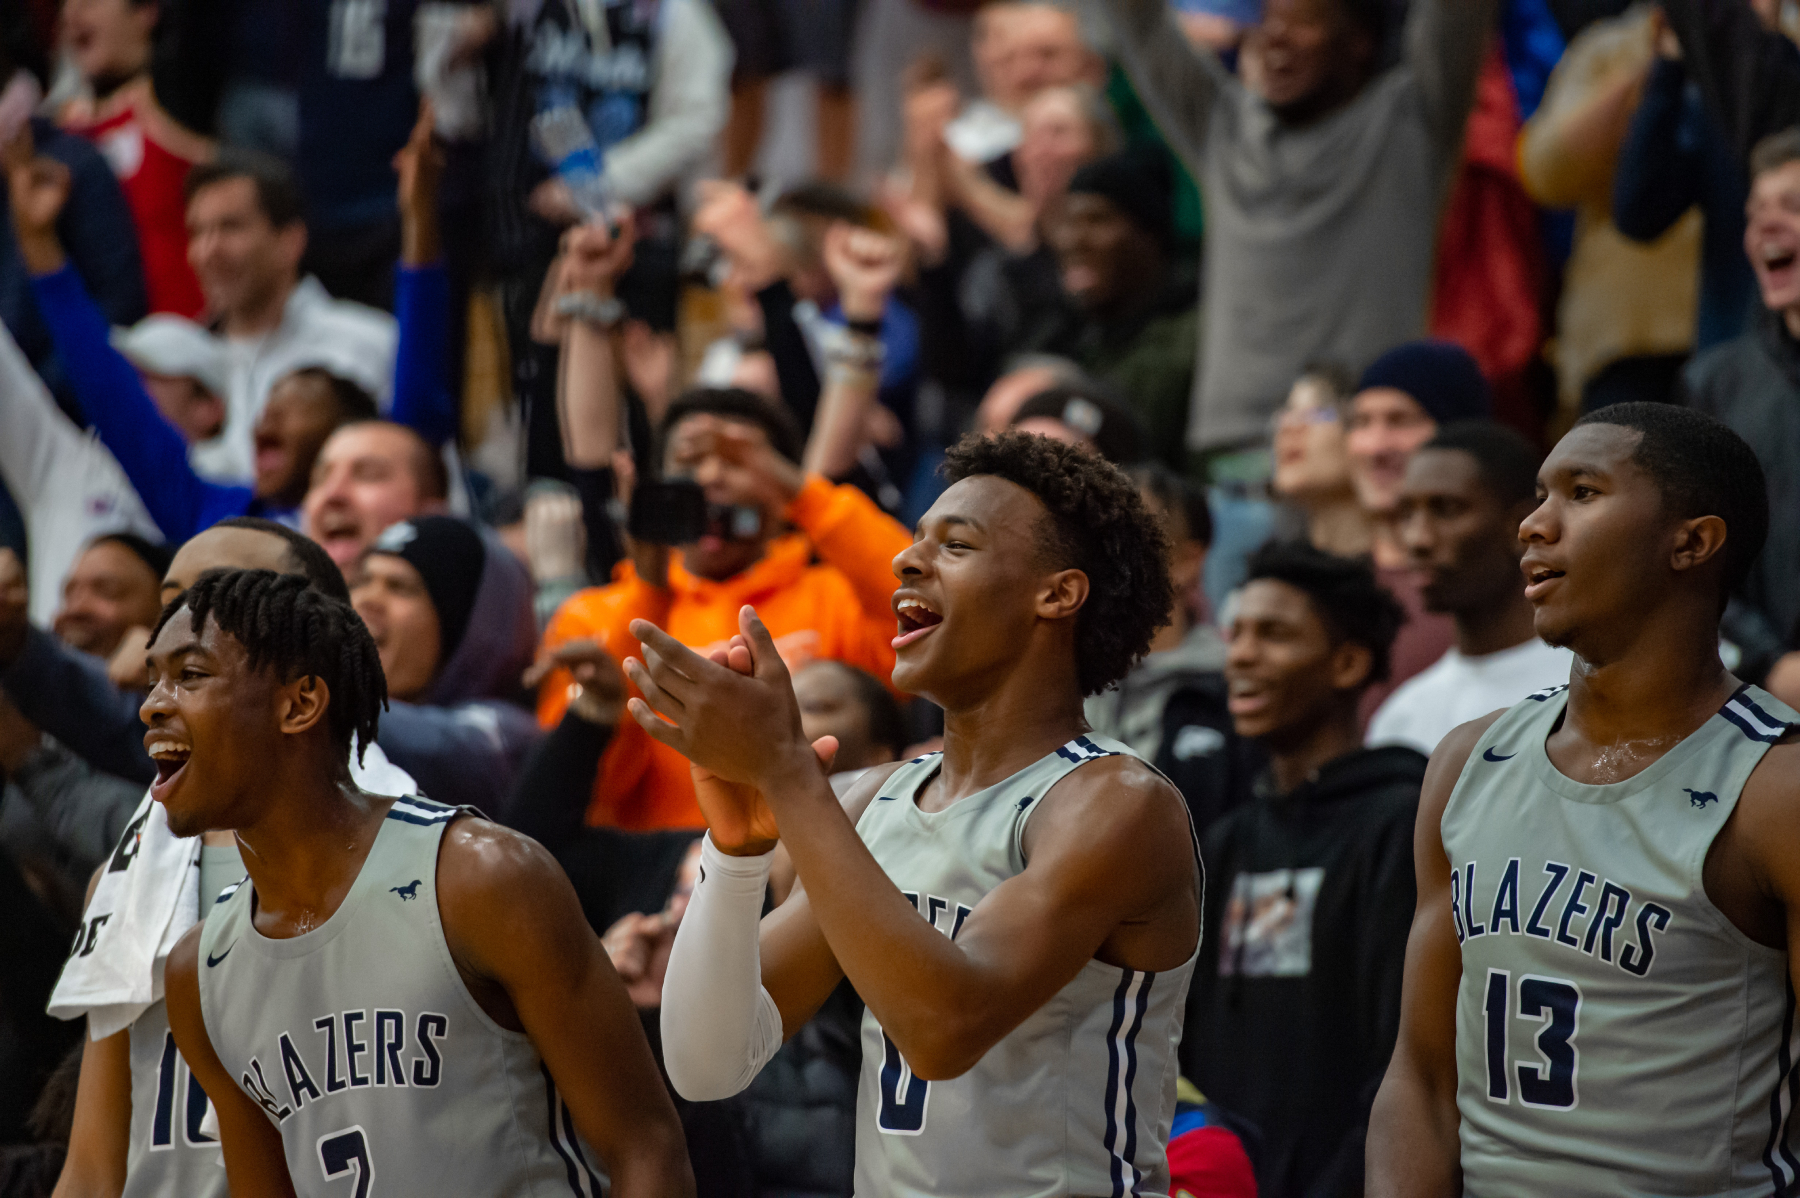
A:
(1752, 720)
(422, 812)
(1082, 749)
(594, 1185)
(230, 890)
(569, 1150)
(1549, 692)
(1130, 1001)
(1778, 1157)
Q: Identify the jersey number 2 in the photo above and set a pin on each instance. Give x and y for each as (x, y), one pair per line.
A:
(903, 1096)
(347, 1151)
(1554, 1003)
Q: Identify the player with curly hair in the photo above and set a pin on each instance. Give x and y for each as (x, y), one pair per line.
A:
(1019, 912)
(398, 989)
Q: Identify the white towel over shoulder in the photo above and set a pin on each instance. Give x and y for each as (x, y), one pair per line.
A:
(147, 899)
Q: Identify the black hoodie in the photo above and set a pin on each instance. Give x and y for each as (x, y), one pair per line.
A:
(1296, 994)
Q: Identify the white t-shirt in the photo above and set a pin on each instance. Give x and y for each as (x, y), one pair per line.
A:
(1456, 689)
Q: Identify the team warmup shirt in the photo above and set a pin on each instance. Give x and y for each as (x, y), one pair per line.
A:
(1616, 1034)
(1079, 1098)
(363, 1046)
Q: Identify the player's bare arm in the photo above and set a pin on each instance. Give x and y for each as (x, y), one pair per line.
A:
(1752, 872)
(99, 1139)
(254, 1161)
(1110, 868)
(799, 970)
(537, 967)
(1412, 1146)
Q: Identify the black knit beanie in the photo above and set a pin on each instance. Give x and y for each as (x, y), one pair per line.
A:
(449, 556)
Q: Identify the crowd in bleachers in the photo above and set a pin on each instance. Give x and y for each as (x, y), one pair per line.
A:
(537, 317)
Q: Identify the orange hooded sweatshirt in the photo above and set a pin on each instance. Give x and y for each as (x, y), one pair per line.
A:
(838, 607)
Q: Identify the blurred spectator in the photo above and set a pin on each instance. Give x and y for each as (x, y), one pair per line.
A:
(110, 42)
(112, 589)
(744, 455)
(1025, 376)
(1675, 157)
(774, 37)
(1401, 401)
(1171, 708)
(1625, 322)
(246, 239)
(184, 368)
(450, 610)
(303, 408)
(1323, 178)
(367, 476)
(1741, 53)
(1309, 889)
(1312, 463)
(258, 107)
(1137, 322)
(1753, 385)
(1085, 413)
(823, 275)
(91, 227)
(68, 487)
(1020, 49)
(652, 84)
(1465, 493)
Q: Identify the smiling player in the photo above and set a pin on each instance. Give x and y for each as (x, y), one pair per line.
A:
(399, 1000)
(1020, 912)
(1599, 994)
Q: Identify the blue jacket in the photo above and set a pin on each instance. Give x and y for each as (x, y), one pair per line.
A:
(153, 453)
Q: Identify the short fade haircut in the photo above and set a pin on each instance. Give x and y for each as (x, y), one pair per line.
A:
(1775, 151)
(1702, 468)
(288, 626)
(735, 403)
(309, 558)
(354, 403)
(277, 195)
(1096, 523)
(1180, 498)
(1352, 605)
(1507, 461)
(155, 555)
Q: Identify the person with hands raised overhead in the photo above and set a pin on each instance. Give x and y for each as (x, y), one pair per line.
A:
(825, 586)
(305, 405)
(1020, 911)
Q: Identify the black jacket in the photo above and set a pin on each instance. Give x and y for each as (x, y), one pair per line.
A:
(1296, 994)
(1752, 384)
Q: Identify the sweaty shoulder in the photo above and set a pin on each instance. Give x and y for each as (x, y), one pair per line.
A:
(1113, 799)
(479, 861)
(862, 792)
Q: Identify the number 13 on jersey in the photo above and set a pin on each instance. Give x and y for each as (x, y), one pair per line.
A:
(1548, 1083)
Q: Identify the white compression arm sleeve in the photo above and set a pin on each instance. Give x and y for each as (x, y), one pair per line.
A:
(719, 1026)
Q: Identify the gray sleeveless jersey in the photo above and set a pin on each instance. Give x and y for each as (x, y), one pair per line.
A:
(1078, 1099)
(1615, 1033)
(169, 1156)
(364, 1047)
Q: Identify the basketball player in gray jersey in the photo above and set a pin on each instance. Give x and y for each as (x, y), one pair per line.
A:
(401, 1000)
(138, 1110)
(1020, 912)
(1599, 993)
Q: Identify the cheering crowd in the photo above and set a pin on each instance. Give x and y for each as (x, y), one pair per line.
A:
(513, 322)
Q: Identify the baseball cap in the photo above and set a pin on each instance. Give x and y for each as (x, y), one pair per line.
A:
(177, 347)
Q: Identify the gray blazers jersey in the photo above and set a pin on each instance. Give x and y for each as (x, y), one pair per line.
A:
(169, 1155)
(364, 1047)
(1078, 1099)
(1615, 1033)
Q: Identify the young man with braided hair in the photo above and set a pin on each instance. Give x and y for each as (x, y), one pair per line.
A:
(399, 989)
(1020, 911)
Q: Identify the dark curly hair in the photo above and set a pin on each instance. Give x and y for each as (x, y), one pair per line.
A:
(287, 625)
(1097, 524)
(1349, 601)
